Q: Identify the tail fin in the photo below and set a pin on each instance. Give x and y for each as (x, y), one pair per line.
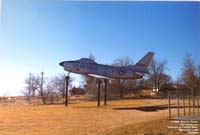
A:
(146, 60)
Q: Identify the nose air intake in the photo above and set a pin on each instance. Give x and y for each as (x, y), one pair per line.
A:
(61, 63)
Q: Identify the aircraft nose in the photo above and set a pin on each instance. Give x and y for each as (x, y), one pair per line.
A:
(61, 63)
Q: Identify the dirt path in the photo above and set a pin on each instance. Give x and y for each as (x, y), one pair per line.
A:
(78, 119)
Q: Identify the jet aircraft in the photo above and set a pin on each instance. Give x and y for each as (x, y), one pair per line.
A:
(90, 68)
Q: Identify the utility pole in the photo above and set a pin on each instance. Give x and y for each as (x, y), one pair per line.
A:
(98, 92)
(42, 74)
(30, 86)
(41, 87)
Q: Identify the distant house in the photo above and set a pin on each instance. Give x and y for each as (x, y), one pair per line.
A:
(174, 87)
(77, 91)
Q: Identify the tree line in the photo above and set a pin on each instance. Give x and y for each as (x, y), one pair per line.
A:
(49, 89)
(189, 77)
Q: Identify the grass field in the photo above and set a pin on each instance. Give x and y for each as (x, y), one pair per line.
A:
(84, 118)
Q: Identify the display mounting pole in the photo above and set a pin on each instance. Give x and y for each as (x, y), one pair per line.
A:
(105, 92)
(66, 89)
(98, 93)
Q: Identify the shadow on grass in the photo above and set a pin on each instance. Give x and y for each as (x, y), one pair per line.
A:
(146, 108)
(57, 104)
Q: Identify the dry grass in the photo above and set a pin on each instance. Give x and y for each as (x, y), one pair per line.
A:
(155, 127)
(119, 117)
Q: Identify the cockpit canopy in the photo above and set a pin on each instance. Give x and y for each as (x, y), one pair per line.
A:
(85, 60)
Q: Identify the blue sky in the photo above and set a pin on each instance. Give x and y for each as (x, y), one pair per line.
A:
(36, 35)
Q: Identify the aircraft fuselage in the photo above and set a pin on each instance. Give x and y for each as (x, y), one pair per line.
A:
(89, 67)
(124, 72)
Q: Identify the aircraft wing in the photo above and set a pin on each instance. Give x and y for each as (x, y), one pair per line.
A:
(99, 76)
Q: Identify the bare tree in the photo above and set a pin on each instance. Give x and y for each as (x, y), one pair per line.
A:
(59, 84)
(27, 91)
(41, 90)
(157, 73)
(123, 61)
(31, 86)
(165, 79)
(92, 57)
(198, 79)
(52, 95)
(44, 87)
(37, 86)
(34, 84)
(189, 75)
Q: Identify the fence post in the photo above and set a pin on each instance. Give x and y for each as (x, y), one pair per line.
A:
(198, 104)
(193, 104)
(189, 104)
(184, 106)
(169, 106)
(178, 105)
